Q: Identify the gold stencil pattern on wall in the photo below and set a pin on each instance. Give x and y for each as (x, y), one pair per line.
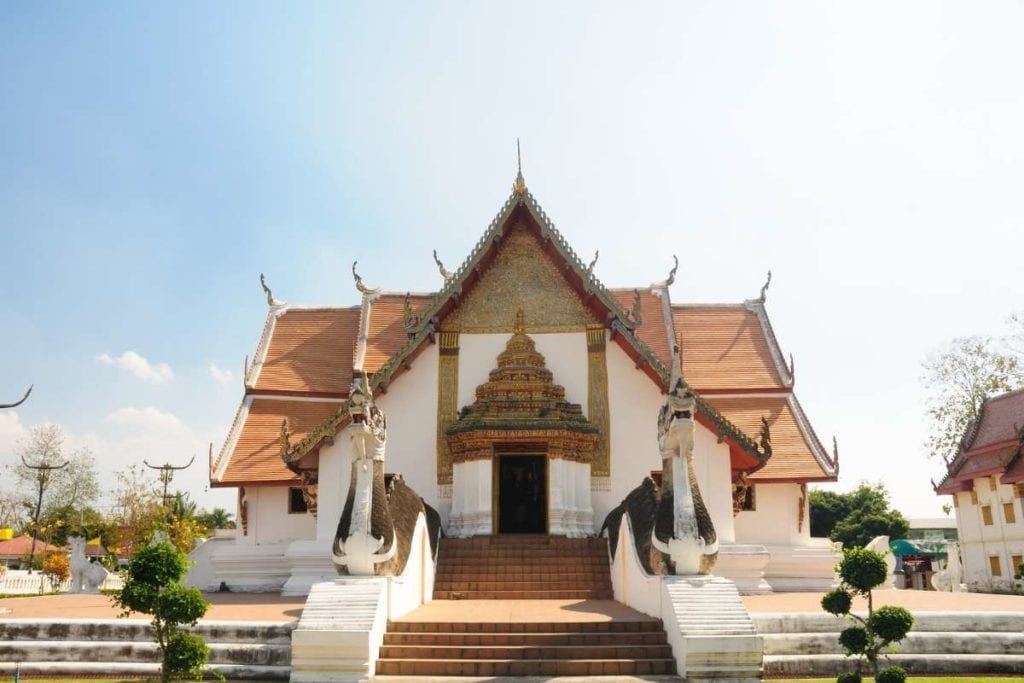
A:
(447, 398)
(522, 277)
(597, 399)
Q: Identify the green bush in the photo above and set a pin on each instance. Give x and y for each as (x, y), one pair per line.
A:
(152, 586)
(854, 639)
(837, 602)
(891, 674)
(863, 569)
(890, 623)
(849, 677)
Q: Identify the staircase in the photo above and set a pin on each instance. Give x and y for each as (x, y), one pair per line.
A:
(629, 648)
(523, 567)
(572, 626)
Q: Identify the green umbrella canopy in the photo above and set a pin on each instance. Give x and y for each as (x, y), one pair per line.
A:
(903, 547)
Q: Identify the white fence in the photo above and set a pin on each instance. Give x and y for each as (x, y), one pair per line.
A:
(20, 582)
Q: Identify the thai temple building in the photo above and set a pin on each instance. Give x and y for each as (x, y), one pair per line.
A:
(986, 481)
(521, 432)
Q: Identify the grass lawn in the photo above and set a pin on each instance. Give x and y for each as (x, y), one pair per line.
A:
(914, 679)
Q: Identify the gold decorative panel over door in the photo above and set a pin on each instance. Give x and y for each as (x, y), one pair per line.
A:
(522, 277)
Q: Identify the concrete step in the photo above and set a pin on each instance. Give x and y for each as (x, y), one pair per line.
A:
(129, 669)
(518, 667)
(526, 639)
(524, 595)
(935, 642)
(138, 630)
(526, 652)
(113, 651)
(830, 665)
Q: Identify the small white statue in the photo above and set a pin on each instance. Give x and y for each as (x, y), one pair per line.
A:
(880, 544)
(948, 579)
(86, 576)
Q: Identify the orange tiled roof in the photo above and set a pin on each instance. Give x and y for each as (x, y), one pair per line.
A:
(651, 330)
(1014, 471)
(1000, 417)
(792, 451)
(257, 455)
(724, 347)
(22, 545)
(386, 333)
(991, 445)
(310, 351)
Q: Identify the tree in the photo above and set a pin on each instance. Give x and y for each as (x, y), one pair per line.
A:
(56, 569)
(153, 586)
(218, 518)
(136, 508)
(960, 378)
(862, 571)
(856, 517)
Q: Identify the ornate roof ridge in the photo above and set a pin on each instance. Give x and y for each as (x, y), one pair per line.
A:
(829, 467)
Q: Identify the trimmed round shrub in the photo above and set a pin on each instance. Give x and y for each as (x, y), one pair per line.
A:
(158, 565)
(891, 623)
(186, 654)
(862, 569)
(891, 674)
(837, 602)
(849, 677)
(854, 639)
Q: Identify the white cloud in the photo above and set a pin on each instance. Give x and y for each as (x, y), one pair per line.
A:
(11, 430)
(156, 373)
(222, 376)
(147, 419)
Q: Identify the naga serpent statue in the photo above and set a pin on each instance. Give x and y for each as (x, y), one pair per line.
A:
(683, 529)
(366, 533)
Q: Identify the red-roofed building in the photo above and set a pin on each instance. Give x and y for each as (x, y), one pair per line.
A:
(986, 481)
(15, 550)
(428, 357)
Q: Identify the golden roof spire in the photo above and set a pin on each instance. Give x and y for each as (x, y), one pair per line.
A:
(519, 187)
(520, 325)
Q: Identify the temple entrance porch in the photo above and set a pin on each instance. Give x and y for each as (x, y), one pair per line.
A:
(522, 489)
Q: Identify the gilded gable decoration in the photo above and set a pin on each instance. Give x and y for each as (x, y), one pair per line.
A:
(447, 398)
(520, 406)
(522, 277)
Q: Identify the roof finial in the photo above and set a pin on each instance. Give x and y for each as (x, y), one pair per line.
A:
(271, 301)
(445, 273)
(590, 266)
(519, 187)
(672, 273)
(363, 289)
(764, 289)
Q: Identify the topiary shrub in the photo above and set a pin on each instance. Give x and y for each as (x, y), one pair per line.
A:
(152, 586)
(861, 571)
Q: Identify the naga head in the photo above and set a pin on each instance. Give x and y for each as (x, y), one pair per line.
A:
(366, 417)
(675, 421)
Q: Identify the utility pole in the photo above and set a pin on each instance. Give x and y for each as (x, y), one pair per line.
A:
(43, 471)
(167, 471)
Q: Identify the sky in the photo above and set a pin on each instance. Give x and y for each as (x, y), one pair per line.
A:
(156, 157)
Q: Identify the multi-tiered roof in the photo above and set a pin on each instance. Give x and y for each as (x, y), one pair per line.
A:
(729, 357)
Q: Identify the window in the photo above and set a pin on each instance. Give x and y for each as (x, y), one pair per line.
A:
(1015, 562)
(296, 501)
(1008, 513)
(993, 565)
(986, 514)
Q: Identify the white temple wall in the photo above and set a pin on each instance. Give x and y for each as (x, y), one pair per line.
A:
(775, 519)
(980, 542)
(410, 405)
(712, 463)
(332, 489)
(269, 520)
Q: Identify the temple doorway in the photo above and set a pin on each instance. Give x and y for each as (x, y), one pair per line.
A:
(522, 494)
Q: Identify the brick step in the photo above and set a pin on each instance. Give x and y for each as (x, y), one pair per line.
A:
(526, 539)
(596, 584)
(520, 667)
(541, 551)
(524, 595)
(504, 652)
(528, 639)
(497, 627)
(463, 577)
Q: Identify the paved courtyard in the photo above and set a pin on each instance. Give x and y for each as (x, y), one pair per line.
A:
(271, 607)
